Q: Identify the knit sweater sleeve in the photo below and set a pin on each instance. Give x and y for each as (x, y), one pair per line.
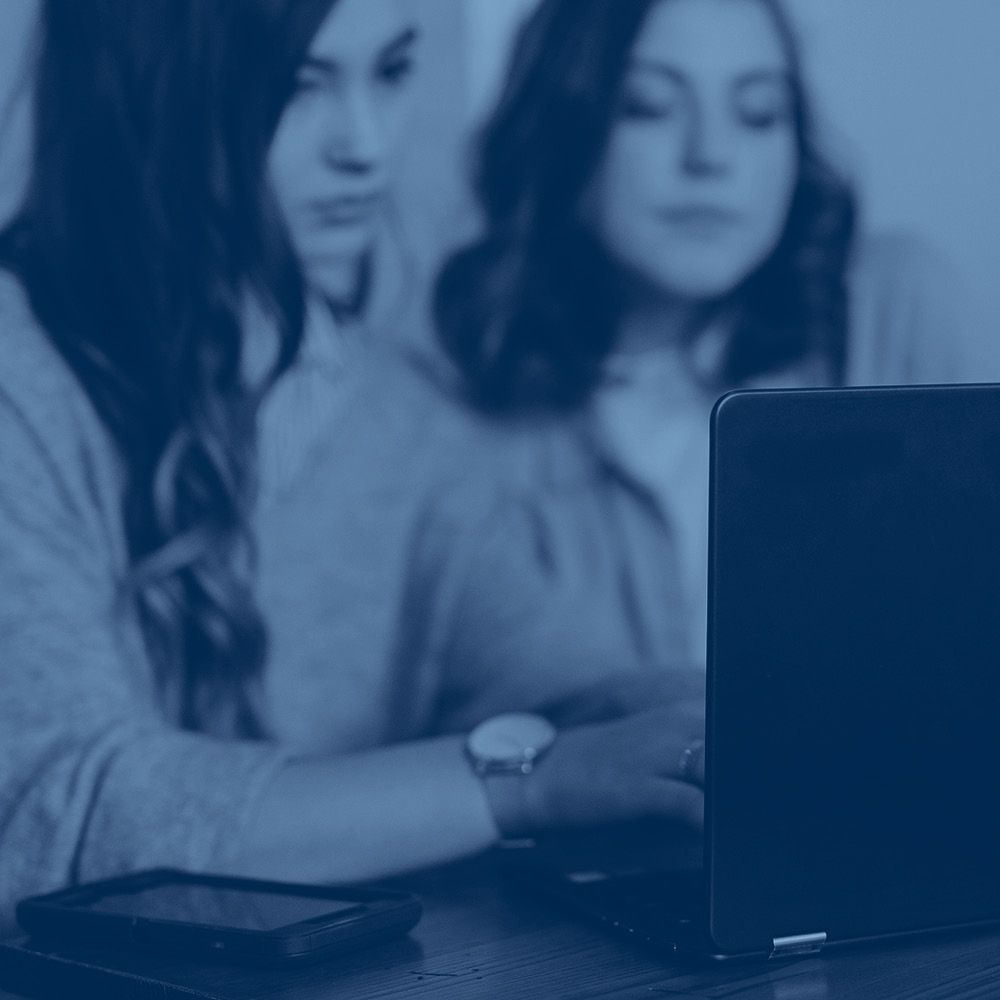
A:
(93, 781)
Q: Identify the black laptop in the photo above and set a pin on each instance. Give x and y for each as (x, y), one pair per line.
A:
(853, 759)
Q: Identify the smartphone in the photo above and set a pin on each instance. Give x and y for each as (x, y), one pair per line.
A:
(233, 919)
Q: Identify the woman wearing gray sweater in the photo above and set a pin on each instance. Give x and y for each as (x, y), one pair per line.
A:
(227, 586)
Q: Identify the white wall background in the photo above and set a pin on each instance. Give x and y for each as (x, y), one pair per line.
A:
(909, 90)
(17, 20)
(489, 25)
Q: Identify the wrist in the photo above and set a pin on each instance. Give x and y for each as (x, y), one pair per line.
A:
(504, 752)
(508, 802)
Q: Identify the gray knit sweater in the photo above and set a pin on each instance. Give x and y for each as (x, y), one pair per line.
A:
(409, 581)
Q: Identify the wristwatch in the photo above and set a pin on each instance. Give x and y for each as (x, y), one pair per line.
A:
(509, 744)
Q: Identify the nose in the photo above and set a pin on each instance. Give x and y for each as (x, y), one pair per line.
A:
(354, 140)
(707, 146)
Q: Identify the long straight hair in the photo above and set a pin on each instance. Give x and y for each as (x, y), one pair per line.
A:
(530, 310)
(147, 228)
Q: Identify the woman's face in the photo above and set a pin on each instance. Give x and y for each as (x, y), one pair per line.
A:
(338, 136)
(694, 187)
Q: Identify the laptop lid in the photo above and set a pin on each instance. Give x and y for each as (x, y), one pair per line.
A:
(854, 664)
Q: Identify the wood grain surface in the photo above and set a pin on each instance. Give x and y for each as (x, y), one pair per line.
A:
(483, 937)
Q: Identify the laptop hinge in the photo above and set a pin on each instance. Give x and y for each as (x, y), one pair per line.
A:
(797, 944)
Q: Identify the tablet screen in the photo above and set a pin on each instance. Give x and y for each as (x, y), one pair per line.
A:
(220, 907)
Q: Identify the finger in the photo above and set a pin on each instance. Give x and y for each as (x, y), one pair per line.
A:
(682, 800)
(686, 708)
(691, 764)
(663, 687)
(659, 735)
(627, 694)
(667, 798)
(686, 683)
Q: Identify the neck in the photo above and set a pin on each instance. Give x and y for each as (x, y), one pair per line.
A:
(649, 322)
(343, 285)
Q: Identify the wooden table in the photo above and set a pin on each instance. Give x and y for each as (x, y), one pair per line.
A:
(482, 937)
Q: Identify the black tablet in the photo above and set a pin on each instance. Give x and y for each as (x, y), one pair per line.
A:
(233, 919)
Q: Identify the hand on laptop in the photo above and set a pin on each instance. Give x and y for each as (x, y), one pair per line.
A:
(630, 768)
(625, 694)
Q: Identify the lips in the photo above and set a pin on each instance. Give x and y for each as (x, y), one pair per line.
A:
(700, 221)
(684, 214)
(345, 210)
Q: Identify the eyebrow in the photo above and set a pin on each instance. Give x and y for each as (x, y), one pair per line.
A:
(678, 76)
(403, 40)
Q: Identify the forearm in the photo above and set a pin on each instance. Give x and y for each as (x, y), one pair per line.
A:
(368, 815)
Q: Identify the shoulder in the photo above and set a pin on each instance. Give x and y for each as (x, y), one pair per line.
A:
(898, 263)
(34, 378)
(50, 434)
(415, 401)
(908, 316)
(26, 348)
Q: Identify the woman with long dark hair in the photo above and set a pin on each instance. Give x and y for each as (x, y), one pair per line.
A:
(211, 637)
(659, 226)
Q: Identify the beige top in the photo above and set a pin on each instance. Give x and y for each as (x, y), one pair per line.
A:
(905, 326)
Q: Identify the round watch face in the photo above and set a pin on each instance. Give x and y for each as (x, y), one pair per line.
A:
(513, 738)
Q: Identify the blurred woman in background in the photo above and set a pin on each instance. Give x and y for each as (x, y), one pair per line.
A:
(660, 226)
(226, 581)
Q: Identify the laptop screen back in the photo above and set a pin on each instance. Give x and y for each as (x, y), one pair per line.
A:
(854, 663)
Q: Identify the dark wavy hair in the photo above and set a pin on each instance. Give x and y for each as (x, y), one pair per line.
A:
(146, 229)
(529, 311)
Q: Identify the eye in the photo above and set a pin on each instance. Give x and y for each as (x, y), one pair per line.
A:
(760, 119)
(395, 71)
(638, 108)
(306, 84)
(311, 79)
(763, 104)
(650, 100)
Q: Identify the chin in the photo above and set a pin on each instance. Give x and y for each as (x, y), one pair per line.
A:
(698, 287)
(704, 279)
(334, 277)
(340, 247)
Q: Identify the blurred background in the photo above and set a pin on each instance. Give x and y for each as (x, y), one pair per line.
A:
(906, 98)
